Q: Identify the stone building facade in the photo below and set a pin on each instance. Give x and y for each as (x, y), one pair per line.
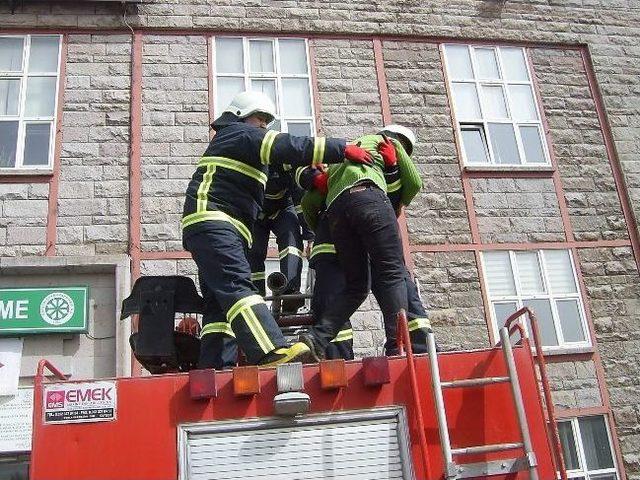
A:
(135, 93)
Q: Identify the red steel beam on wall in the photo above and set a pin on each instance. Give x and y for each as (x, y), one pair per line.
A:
(54, 180)
(612, 154)
(435, 39)
(135, 155)
(597, 362)
(135, 171)
(211, 81)
(557, 180)
(315, 92)
(464, 247)
(386, 119)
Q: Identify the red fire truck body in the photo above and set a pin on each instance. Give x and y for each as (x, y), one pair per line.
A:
(160, 432)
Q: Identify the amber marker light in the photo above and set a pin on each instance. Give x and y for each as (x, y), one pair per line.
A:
(246, 380)
(333, 374)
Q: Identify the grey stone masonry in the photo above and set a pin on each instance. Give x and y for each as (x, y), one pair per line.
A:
(613, 286)
(417, 95)
(610, 28)
(93, 210)
(175, 129)
(347, 88)
(588, 182)
(451, 294)
(517, 210)
(23, 218)
(94, 178)
(573, 384)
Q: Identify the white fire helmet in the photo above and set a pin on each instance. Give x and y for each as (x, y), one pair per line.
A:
(402, 131)
(247, 103)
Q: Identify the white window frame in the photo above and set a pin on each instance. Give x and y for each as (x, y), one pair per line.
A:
(582, 459)
(519, 297)
(484, 121)
(277, 75)
(23, 120)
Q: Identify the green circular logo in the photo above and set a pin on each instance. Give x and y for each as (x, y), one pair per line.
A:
(57, 308)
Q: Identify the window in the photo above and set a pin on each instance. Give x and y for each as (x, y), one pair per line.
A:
(29, 67)
(277, 67)
(587, 448)
(544, 281)
(497, 115)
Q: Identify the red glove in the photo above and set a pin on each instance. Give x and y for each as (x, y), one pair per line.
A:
(357, 154)
(388, 152)
(320, 182)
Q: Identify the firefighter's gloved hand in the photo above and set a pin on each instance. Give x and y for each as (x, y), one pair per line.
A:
(388, 152)
(321, 182)
(358, 155)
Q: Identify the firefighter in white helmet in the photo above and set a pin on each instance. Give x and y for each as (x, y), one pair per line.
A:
(223, 199)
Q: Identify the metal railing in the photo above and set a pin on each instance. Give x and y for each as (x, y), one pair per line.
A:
(38, 390)
(514, 324)
(404, 341)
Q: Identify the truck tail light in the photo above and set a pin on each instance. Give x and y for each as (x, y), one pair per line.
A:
(375, 371)
(202, 384)
(246, 380)
(333, 374)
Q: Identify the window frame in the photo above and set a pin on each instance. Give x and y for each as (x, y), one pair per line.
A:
(276, 75)
(483, 121)
(519, 297)
(23, 120)
(584, 472)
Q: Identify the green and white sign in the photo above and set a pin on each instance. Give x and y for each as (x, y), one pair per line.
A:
(43, 310)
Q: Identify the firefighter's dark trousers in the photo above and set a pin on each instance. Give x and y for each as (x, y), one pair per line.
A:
(363, 227)
(286, 227)
(329, 284)
(233, 309)
(418, 320)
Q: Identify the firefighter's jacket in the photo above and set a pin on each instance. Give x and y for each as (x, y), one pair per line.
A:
(401, 182)
(280, 193)
(229, 182)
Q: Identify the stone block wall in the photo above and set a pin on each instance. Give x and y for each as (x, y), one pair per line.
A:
(613, 287)
(23, 218)
(450, 288)
(517, 210)
(588, 182)
(93, 201)
(417, 96)
(175, 119)
(574, 384)
(347, 88)
(609, 27)
(93, 210)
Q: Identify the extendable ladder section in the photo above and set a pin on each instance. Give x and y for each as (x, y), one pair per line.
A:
(455, 470)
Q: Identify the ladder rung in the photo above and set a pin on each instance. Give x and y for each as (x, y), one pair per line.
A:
(475, 382)
(498, 447)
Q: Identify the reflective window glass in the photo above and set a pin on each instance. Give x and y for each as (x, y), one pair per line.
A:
(36, 148)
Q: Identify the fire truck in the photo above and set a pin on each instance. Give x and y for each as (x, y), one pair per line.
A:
(484, 414)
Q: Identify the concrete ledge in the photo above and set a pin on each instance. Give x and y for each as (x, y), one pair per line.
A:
(59, 264)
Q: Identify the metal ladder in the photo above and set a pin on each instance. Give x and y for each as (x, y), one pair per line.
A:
(455, 470)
